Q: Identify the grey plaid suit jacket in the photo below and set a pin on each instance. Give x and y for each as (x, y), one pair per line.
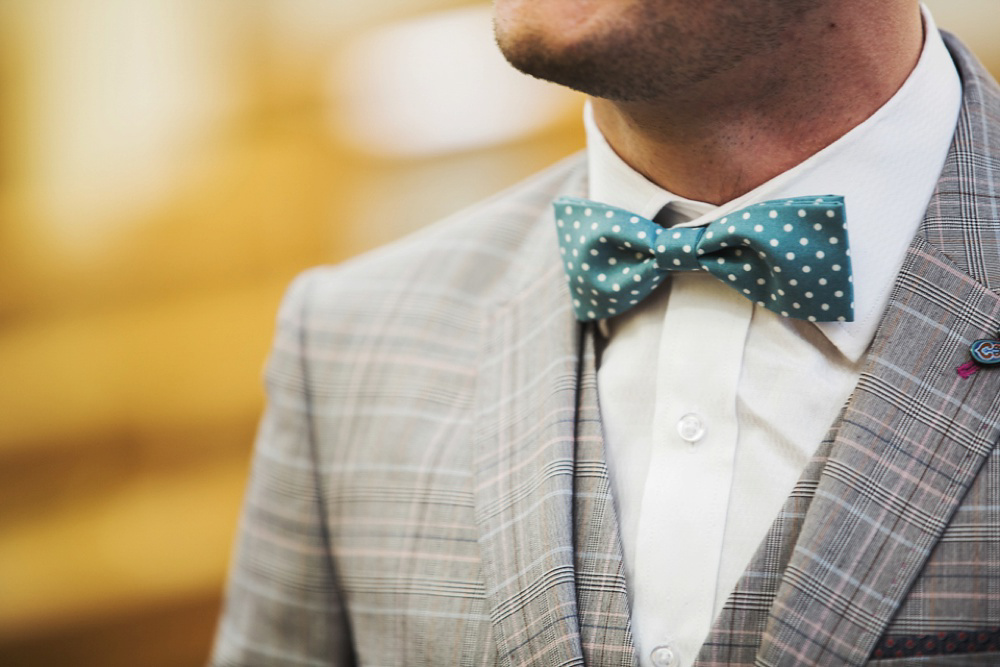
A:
(430, 488)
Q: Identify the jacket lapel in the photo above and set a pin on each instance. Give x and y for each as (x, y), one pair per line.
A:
(548, 534)
(869, 509)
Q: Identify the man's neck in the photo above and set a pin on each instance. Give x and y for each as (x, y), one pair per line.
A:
(721, 138)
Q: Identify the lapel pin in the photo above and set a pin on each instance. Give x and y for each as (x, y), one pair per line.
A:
(985, 352)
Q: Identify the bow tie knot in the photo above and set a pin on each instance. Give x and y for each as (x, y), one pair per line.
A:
(677, 249)
(787, 255)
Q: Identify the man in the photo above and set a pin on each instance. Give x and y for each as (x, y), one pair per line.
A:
(454, 469)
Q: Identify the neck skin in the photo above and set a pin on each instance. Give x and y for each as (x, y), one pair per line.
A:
(718, 139)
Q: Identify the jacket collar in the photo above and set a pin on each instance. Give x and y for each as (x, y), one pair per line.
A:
(549, 535)
(866, 514)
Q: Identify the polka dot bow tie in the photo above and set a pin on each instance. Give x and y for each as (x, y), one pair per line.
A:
(787, 255)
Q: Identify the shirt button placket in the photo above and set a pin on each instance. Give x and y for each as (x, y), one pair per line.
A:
(691, 427)
(664, 655)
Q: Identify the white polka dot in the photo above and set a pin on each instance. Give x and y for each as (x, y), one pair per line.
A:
(809, 295)
(709, 235)
(773, 214)
(576, 253)
(700, 251)
(732, 277)
(661, 248)
(593, 225)
(806, 269)
(781, 292)
(591, 314)
(746, 291)
(838, 294)
(633, 219)
(637, 278)
(760, 228)
(762, 255)
(817, 227)
(568, 238)
(746, 216)
(789, 256)
(562, 251)
(732, 229)
(585, 266)
(834, 240)
(676, 235)
(721, 260)
(603, 239)
(633, 301)
(587, 212)
(593, 252)
(576, 224)
(747, 267)
(638, 255)
(788, 228)
(616, 287)
(830, 214)
(803, 241)
(812, 318)
(609, 214)
(579, 290)
(796, 305)
(793, 282)
(601, 277)
(576, 302)
(612, 311)
(774, 297)
(820, 254)
(784, 313)
(677, 262)
(569, 265)
(841, 319)
(616, 228)
(825, 306)
(612, 261)
(835, 267)
(635, 291)
(802, 213)
(593, 302)
(626, 270)
(686, 248)
(761, 304)
(569, 210)
(627, 244)
(559, 222)
(822, 281)
(777, 269)
(724, 220)
(579, 279)
(761, 281)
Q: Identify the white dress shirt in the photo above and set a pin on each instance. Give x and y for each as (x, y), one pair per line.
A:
(711, 405)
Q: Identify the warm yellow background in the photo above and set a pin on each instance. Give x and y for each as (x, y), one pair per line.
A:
(166, 167)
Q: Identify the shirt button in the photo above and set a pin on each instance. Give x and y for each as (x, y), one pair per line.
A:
(664, 656)
(691, 428)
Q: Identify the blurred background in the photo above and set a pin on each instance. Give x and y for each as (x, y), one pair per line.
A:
(166, 168)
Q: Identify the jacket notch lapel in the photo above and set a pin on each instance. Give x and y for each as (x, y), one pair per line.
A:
(525, 428)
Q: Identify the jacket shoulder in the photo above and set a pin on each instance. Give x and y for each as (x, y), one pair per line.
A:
(462, 262)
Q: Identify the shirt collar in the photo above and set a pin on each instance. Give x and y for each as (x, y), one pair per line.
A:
(886, 169)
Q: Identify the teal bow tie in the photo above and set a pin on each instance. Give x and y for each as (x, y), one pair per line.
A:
(787, 255)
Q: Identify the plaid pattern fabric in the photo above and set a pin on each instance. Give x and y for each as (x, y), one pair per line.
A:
(429, 486)
(893, 527)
